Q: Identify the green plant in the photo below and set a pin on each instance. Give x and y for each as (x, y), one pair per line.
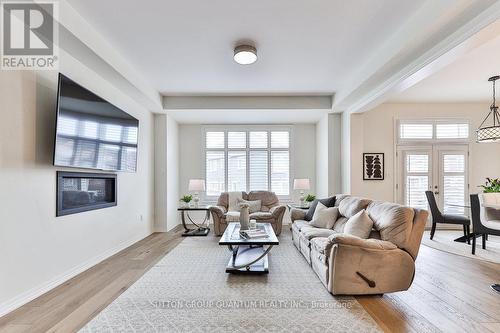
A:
(491, 185)
(310, 198)
(187, 198)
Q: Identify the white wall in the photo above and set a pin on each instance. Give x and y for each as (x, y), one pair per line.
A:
(328, 155)
(38, 250)
(172, 173)
(166, 172)
(191, 154)
(373, 131)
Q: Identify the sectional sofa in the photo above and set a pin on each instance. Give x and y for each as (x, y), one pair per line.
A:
(350, 265)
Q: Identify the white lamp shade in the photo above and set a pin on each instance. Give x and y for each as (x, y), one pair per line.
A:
(301, 184)
(196, 185)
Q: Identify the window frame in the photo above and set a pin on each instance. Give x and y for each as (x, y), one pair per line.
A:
(247, 149)
(434, 122)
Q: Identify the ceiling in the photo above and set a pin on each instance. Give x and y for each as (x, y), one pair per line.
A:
(245, 116)
(464, 80)
(358, 53)
(306, 47)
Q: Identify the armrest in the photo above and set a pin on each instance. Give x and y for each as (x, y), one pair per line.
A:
(371, 243)
(297, 214)
(277, 210)
(493, 206)
(218, 210)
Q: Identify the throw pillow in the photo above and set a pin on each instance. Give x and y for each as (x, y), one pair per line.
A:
(324, 217)
(359, 225)
(253, 206)
(328, 202)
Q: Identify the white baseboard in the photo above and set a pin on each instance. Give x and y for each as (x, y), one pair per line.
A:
(27, 296)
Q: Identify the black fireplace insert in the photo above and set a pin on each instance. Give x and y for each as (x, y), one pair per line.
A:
(80, 191)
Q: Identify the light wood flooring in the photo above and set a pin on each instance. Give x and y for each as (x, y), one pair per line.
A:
(450, 293)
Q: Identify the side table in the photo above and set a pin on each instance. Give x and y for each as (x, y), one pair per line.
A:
(202, 228)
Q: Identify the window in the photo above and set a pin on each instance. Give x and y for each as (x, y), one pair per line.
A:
(247, 160)
(432, 130)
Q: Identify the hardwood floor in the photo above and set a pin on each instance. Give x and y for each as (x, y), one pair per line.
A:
(450, 293)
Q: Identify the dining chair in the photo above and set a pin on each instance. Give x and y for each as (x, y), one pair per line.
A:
(438, 217)
(485, 220)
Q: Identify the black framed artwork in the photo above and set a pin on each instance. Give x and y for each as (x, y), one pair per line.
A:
(373, 166)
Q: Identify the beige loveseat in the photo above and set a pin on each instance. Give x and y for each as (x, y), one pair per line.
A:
(349, 265)
(271, 211)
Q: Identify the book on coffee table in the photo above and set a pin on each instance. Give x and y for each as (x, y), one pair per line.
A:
(252, 234)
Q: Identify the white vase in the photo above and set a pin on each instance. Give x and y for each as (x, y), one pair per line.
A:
(244, 218)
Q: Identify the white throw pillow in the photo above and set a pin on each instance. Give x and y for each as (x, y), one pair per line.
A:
(324, 217)
(359, 225)
(253, 206)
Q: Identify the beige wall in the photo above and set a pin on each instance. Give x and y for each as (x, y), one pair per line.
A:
(373, 131)
(38, 250)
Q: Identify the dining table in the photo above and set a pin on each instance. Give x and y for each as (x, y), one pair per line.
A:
(463, 239)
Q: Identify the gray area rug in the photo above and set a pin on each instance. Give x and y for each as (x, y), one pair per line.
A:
(189, 291)
(443, 241)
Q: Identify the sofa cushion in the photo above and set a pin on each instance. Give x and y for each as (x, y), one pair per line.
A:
(298, 224)
(233, 216)
(360, 225)
(321, 244)
(328, 202)
(339, 198)
(253, 206)
(268, 199)
(340, 224)
(350, 206)
(393, 221)
(309, 232)
(324, 217)
(261, 216)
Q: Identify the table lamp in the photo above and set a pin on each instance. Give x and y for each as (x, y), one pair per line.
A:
(301, 184)
(196, 185)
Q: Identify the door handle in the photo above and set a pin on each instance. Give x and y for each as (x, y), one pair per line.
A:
(436, 192)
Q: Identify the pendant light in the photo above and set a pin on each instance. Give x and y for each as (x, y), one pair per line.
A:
(491, 133)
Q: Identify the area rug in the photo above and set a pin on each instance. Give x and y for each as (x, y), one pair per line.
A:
(443, 240)
(189, 291)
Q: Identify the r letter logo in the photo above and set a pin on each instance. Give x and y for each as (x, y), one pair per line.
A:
(28, 34)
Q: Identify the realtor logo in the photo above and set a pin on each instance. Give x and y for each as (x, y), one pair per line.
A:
(28, 33)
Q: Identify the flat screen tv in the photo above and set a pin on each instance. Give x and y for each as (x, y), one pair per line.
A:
(91, 132)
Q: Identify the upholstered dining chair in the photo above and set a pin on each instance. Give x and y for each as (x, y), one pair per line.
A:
(485, 216)
(438, 217)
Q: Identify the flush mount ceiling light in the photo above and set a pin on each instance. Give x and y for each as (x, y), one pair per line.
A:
(491, 133)
(245, 54)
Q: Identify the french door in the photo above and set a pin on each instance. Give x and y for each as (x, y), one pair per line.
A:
(439, 168)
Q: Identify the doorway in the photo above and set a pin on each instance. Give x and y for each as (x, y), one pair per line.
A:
(439, 168)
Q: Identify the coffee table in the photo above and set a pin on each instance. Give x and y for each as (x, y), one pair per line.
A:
(249, 256)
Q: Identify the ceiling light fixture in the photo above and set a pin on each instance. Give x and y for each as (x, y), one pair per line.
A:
(245, 54)
(490, 133)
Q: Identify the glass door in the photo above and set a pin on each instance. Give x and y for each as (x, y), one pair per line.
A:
(416, 176)
(440, 168)
(451, 187)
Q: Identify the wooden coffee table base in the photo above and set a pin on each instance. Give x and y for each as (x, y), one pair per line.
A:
(248, 259)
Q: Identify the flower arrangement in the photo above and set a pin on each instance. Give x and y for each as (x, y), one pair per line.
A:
(491, 185)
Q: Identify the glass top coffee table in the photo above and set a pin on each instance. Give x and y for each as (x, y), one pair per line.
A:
(249, 256)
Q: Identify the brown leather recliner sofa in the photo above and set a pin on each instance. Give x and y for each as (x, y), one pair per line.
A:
(349, 265)
(271, 211)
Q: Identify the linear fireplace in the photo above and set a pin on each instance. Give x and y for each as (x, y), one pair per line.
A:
(80, 191)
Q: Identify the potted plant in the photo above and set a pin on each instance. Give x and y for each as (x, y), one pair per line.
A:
(186, 199)
(309, 198)
(491, 185)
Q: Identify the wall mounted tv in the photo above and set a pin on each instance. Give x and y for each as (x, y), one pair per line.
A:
(91, 132)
